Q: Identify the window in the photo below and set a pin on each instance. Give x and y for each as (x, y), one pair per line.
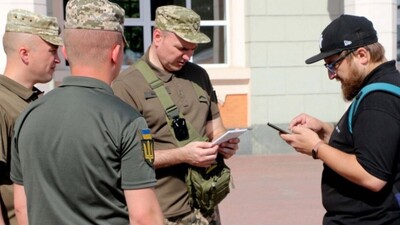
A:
(139, 22)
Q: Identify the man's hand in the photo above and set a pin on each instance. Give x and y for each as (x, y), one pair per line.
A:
(324, 130)
(302, 139)
(200, 154)
(229, 148)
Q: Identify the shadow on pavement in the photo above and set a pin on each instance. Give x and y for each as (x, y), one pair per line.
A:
(274, 190)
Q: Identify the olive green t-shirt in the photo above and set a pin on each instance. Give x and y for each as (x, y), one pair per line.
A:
(13, 99)
(197, 108)
(75, 151)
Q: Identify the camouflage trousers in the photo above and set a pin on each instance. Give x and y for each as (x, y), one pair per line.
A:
(195, 217)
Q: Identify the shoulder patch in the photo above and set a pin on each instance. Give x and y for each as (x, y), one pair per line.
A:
(148, 147)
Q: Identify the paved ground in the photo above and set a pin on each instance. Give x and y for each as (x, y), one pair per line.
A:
(274, 190)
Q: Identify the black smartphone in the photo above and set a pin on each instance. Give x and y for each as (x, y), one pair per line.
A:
(278, 128)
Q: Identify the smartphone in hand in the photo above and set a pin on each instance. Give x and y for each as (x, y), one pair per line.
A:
(278, 128)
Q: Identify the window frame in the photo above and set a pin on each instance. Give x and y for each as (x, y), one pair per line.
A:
(145, 21)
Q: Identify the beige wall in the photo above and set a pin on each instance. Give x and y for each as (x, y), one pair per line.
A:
(281, 35)
(383, 14)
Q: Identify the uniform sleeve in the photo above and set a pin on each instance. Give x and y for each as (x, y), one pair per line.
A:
(136, 173)
(214, 110)
(16, 170)
(4, 149)
(4, 138)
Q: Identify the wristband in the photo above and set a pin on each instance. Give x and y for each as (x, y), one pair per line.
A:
(314, 151)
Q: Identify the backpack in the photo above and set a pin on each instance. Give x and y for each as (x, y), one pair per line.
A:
(386, 87)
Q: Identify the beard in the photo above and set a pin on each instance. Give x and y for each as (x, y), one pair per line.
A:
(352, 85)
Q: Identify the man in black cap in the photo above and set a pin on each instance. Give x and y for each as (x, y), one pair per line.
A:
(361, 176)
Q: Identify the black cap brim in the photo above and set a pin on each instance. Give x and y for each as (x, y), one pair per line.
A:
(322, 55)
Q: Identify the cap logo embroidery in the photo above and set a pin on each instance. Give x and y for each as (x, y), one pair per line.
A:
(196, 27)
(347, 43)
(320, 41)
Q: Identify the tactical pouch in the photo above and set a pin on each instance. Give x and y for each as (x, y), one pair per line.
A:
(207, 187)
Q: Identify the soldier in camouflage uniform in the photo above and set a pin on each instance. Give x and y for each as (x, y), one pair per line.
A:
(175, 38)
(30, 42)
(78, 155)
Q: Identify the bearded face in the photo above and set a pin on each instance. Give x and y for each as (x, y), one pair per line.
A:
(351, 84)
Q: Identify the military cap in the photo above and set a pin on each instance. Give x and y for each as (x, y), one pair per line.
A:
(182, 21)
(23, 21)
(95, 15)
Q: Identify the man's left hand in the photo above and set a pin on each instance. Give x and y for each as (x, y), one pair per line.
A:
(229, 148)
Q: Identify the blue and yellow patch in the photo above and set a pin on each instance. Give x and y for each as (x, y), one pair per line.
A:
(148, 146)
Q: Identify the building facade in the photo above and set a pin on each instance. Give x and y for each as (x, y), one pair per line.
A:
(256, 58)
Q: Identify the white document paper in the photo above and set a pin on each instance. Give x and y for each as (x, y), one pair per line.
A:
(229, 135)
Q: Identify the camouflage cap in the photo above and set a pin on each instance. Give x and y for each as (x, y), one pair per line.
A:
(23, 21)
(182, 21)
(95, 15)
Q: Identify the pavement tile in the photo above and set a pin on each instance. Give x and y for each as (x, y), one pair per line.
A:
(274, 190)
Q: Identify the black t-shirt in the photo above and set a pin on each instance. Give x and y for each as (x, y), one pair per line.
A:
(376, 143)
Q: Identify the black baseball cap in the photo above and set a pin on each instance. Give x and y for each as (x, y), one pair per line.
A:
(344, 33)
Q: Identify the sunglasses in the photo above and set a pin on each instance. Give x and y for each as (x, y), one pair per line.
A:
(331, 67)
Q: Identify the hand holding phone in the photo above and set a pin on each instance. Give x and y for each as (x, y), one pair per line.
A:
(278, 128)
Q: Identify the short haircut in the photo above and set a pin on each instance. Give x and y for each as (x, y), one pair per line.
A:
(90, 46)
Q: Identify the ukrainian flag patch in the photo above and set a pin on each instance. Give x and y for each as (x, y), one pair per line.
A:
(148, 146)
